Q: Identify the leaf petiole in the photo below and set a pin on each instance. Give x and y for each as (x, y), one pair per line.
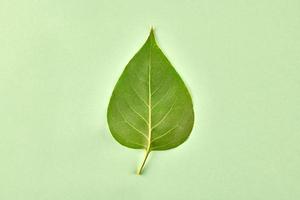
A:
(139, 172)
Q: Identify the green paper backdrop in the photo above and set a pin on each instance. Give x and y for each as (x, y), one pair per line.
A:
(59, 62)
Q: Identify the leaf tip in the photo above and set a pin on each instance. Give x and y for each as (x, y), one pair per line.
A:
(152, 29)
(151, 35)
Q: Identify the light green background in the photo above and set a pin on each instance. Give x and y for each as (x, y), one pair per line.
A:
(60, 59)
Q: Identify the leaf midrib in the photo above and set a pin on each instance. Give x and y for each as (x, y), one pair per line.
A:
(149, 109)
(149, 100)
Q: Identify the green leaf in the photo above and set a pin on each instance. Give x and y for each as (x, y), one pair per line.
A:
(150, 107)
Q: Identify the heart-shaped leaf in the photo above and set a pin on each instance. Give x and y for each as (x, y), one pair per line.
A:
(150, 107)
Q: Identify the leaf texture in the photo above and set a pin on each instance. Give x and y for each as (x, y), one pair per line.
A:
(150, 107)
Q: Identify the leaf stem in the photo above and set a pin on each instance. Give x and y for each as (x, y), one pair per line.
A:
(139, 172)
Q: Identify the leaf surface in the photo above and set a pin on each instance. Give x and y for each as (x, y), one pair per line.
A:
(150, 107)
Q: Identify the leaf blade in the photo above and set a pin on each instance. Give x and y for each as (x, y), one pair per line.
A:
(154, 100)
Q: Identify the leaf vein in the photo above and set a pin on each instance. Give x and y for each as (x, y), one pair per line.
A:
(165, 116)
(162, 99)
(136, 93)
(132, 126)
(136, 112)
(164, 134)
